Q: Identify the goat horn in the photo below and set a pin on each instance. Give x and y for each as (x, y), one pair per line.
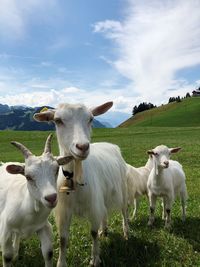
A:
(25, 151)
(47, 148)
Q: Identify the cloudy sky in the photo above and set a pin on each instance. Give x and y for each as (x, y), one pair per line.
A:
(128, 51)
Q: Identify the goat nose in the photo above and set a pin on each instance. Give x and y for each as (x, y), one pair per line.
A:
(51, 198)
(166, 162)
(83, 147)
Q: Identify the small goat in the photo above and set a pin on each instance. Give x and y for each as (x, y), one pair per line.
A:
(28, 192)
(137, 183)
(104, 175)
(167, 180)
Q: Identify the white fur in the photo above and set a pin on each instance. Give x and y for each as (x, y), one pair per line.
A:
(104, 175)
(137, 183)
(166, 180)
(105, 188)
(24, 204)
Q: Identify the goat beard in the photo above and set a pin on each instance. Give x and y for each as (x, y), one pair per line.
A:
(78, 171)
(156, 167)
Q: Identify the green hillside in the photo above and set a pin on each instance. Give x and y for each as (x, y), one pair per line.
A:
(183, 114)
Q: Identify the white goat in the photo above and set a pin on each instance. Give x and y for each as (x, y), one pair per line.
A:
(28, 192)
(167, 180)
(137, 183)
(104, 175)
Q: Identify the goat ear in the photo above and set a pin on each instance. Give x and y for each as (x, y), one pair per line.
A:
(101, 109)
(44, 116)
(175, 150)
(64, 160)
(150, 152)
(15, 169)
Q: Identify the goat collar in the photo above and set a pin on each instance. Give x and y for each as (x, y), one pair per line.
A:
(69, 176)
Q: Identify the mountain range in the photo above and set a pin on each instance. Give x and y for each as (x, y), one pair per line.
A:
(21, 118)
(113, 118)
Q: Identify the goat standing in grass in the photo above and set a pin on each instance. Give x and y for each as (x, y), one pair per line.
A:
(137, 183)
(28, 192)
(104, 175)
(166, 180)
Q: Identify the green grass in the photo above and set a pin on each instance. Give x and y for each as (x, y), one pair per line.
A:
(145, 247)
(182, 114)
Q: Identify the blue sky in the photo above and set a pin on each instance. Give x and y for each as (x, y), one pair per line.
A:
(94, 51)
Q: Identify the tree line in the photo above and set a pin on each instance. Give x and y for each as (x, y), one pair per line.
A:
(178, 98)
(142, 107)
(146, 106)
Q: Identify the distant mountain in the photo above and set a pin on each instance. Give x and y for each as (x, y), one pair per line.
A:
(107, 124)
(4, 108)
(98, 124)
(20, 118)
(113, 118)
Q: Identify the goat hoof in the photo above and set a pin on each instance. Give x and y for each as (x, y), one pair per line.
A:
(126, 236)
(103, 233)
(95, 262)
(61, 264)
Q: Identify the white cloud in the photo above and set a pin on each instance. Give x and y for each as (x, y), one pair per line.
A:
(114, 28)
(19, 87)
(37, 92)
(15, 15)
(154, 41)
(11, 21)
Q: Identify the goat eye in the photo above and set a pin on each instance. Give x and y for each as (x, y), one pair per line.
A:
(58, 121)
(29, 178)
(156, 154)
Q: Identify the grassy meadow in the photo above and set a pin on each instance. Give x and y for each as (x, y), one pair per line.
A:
(145, 247)
(183, 114)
